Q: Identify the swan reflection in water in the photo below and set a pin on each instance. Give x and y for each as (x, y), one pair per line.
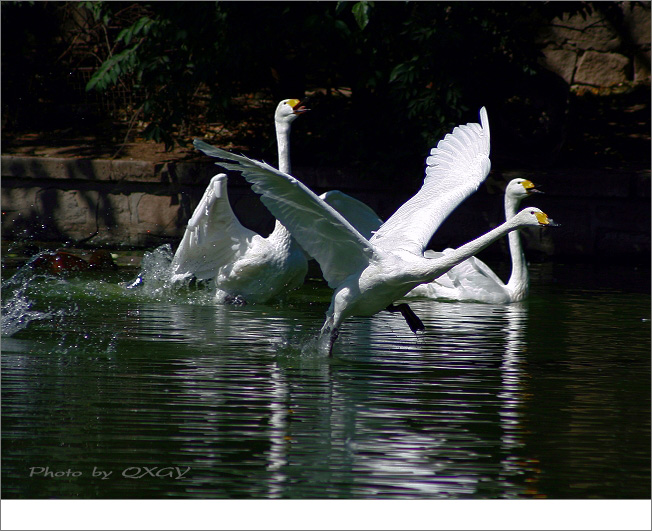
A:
(467, 371)
(237, 380)
(393, 415)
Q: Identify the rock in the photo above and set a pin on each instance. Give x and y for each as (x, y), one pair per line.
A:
(601, 69)
(642, 67)
(590, 33)
(637, 20)
(158, 211)
(561, 62)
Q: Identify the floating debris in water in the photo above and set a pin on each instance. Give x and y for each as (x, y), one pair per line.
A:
(57, 262)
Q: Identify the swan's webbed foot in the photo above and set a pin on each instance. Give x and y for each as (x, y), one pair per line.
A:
(412, 319)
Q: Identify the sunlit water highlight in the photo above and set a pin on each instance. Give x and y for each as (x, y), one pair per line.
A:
(546, 398)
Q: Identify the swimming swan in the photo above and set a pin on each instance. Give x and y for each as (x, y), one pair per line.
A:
(368, 275)
(473, 280)
(245, 266)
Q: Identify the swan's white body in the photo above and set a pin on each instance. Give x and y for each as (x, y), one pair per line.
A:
(473, 280)
(243, 265)
(368, 275)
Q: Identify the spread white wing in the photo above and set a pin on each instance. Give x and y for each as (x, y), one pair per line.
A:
(455, 169)
(213, 238)
(360, 215)
(322, 231)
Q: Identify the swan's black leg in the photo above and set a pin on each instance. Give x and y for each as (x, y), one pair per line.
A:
(331, 341)
(410, 317)
(327, 338)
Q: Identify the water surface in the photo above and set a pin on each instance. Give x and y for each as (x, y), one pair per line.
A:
(110, 393)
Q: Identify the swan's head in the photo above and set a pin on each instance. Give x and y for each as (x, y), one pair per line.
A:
(533, 217)
(520, 188)
(288, 110)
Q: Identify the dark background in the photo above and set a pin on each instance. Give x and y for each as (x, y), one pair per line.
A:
(386, 80)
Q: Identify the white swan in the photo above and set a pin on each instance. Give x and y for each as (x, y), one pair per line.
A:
(368, 275)
(473, 280)
(244, 266)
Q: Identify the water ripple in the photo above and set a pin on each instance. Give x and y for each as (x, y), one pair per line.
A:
(548, 398)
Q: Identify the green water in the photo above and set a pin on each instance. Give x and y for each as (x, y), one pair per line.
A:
(114, 394)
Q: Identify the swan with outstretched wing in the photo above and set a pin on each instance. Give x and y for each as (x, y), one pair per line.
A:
(369, 275)
(243, 265)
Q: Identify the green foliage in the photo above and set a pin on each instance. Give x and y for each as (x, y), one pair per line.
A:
(412, 69)
(114, 67)
(360, 12)
(97, 10)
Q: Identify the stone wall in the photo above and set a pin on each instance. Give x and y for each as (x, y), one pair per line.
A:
(126, 204)
(110, 203)
(604, 214)
(119, 203)
(601, 49)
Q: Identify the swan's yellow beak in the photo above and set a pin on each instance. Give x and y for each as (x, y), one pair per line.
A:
(530, 187)
(544, 220)
(297, 107)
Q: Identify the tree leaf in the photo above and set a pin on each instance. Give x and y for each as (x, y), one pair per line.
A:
(361, 13)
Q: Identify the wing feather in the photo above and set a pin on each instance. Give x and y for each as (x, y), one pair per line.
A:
(455, 169)
(361, 216)
(322, 231)
(213, 238)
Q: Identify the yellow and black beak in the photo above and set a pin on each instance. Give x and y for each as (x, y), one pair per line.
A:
(544, 220)
(297, 106)
(530, 187)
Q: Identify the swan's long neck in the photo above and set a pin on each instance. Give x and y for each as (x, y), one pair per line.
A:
(283, 144)
(280, 234)
(439, 266)
(518, 281)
